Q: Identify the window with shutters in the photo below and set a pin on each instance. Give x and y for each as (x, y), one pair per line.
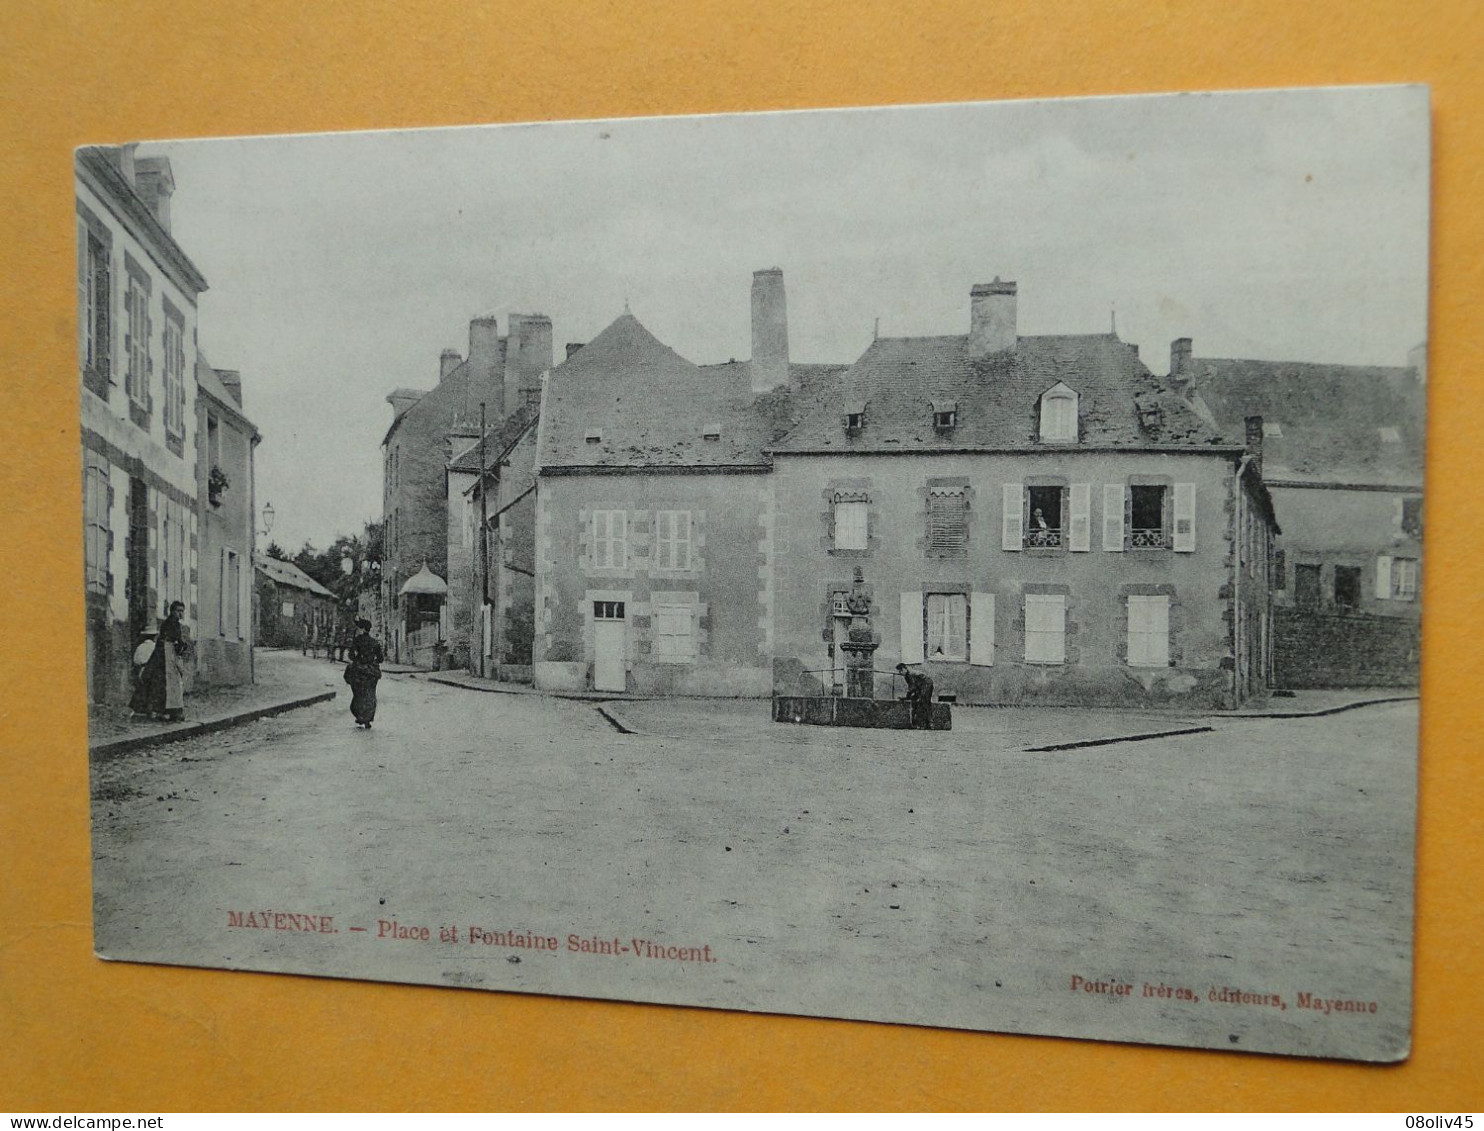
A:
(136, 342)
(97, 498)
(672, 540)
(1043, 517)
(286, 609)
(94, 298)
(1059, 415)
(610, 539)
(947, 626)
(1404, 578)
(175, 393)
(1045, 628)
(851, 524)
(672, 628)
(1149, 631)
(1148, 526)
(948, 522)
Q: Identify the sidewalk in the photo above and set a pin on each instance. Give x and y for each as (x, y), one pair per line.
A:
(285, 681)
(477, 683)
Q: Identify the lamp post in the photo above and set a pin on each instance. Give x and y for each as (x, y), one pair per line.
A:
(267, 520)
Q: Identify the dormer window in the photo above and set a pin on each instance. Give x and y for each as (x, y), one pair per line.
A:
(855, 416)
(711, 432)
(1272, 429)
(1390, 436)
(594, 436)
(945, 415)
(1059, 415)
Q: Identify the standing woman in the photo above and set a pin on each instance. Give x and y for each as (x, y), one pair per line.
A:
(362, 673)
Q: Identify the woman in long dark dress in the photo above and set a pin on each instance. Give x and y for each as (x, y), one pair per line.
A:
(362, 673)
(161, 690)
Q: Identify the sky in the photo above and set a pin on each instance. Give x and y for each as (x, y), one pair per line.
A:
(1277, 225)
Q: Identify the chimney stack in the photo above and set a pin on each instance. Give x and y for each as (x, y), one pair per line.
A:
(155, 184)
(1254, 440)
(527, 356)
(448, 361)
(231, 380)
(573, 347)
(992, 327)
(1180, 350)
(486, 368)
(769, 330)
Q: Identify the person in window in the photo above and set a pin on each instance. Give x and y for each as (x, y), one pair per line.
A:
(919, 695)
(1040, 532)
(363, 672)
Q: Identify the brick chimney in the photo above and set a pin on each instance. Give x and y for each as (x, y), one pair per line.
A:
(231, 380)
(769, 330)
(992, 326)
(1180, 350)
(527, 356)
(448, 361)
(155, 184)
(1254, 440)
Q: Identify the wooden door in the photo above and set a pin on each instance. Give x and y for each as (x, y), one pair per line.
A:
(610, 671)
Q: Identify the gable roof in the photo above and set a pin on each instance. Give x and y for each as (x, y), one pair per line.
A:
(287, 573)
(499, 439)
(1120, 403)
(650, 408)
(1330, 417)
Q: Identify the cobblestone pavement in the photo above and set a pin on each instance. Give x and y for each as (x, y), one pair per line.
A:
(940, 879)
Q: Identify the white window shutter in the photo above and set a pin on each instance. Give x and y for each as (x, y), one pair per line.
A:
(1398, 512)
(1113, 516)
(981, 629)
(912, 628)
(1185, 518)
(1012, 527)
(1081, 517)
(1383, 578)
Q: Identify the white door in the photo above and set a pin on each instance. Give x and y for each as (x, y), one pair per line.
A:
(609, 670)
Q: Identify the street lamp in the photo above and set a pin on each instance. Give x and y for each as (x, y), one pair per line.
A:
(267, 520)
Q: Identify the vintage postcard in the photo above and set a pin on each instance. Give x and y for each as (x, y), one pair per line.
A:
(949, 565)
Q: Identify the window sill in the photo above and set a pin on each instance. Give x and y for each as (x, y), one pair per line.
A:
(1045, 551)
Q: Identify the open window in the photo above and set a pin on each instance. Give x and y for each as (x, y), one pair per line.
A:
(1044, 528)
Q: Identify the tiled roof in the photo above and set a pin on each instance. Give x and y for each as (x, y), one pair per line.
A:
(1330, 417)
(498, 440)
(627, 400)
(287, 573)
(996, 400)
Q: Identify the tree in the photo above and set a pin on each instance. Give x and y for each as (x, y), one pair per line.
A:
(275, 551)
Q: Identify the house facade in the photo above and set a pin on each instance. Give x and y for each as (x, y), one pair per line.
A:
(428, 428)
(1038, 520)
(294, 610)
(1344, 461)
(226, 443)
(137, 294)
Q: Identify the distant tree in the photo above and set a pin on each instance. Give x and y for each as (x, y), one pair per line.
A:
(275, 551)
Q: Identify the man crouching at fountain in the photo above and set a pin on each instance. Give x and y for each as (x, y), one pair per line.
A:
(920, 696)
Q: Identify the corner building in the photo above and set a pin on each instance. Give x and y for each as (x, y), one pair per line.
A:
(1038, 520)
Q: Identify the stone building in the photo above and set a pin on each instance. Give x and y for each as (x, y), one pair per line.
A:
(491, 581)
(294, 610)
(653, 510)
(427, 426)
(226, 441)
(136, 297)
(1343, 460)
(1037, 519)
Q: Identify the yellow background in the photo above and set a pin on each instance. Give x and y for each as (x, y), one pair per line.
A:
(79, 1034)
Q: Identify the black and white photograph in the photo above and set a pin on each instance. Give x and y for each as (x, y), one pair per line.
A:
(953, 565)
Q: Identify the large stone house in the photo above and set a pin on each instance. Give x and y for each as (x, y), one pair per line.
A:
(136, 297)
(1343, 460)
(1037, 519)
(429, 427)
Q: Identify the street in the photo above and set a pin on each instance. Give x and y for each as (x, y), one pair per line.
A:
(1248, 888)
